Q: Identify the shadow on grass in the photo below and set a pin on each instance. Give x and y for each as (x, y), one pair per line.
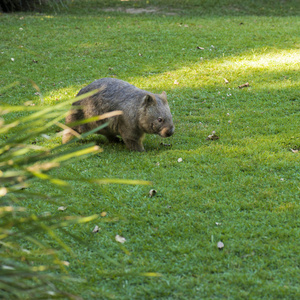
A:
(154, 143)
(190, 7)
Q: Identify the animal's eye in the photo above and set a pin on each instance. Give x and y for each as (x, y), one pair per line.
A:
(160, 120)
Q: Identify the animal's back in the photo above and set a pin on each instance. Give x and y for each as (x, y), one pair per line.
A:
(115, 91)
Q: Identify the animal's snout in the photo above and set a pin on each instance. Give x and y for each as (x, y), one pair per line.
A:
(167, 131)
(170, 131)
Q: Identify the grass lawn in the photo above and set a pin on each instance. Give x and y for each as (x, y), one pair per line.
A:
(242, 189)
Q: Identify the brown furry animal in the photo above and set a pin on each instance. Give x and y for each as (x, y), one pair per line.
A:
(143, 112)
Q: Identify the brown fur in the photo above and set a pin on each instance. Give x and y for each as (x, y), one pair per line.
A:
(143, 112)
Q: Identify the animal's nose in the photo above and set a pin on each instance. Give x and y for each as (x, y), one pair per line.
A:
(171, 131)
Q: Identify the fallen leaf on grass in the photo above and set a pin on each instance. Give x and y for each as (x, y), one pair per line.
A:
(220, 245)
(295, 150)
(212, 136)
(120, 239)
(103, 214)
(244, 85)
(151, 274)
(152, 193)
(62, 208)
(96, 229)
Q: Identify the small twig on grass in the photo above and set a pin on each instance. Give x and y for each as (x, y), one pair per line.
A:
(244, 85)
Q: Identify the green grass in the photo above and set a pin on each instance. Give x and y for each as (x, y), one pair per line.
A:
(248, 180)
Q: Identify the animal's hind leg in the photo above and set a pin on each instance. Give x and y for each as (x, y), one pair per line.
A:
(67, 136)
(69, 133)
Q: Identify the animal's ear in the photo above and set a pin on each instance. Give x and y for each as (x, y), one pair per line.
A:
(163, 96)
(148, 100)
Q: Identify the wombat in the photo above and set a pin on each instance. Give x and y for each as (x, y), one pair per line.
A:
(143, 112)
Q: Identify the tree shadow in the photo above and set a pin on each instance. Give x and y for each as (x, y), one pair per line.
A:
(188, 7)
